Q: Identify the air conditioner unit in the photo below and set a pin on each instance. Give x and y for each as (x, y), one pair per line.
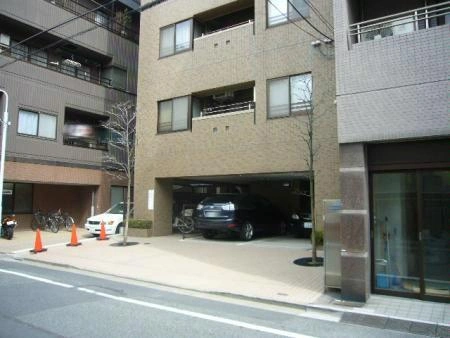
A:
(228, 95)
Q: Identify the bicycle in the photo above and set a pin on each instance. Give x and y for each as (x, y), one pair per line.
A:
(185, 222)
(42, 221)
(62, 219)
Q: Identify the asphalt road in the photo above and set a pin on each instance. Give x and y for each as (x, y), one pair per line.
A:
(40, 301)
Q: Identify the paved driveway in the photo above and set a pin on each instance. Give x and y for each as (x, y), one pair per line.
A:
(262, 268)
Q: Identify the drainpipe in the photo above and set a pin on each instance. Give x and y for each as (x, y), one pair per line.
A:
(5, 124)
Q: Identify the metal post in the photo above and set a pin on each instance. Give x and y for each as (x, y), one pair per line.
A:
(5, 124)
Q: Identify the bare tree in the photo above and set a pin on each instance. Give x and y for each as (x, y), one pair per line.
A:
(120, 159)
(303, 95)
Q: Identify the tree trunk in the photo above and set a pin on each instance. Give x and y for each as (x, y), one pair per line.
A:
(127, 215)
(313, 217)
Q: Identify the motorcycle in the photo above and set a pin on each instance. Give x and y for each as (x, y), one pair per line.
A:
(8, 224)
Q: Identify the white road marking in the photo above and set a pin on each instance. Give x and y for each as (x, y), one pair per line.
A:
(198, 315)
(39, 279)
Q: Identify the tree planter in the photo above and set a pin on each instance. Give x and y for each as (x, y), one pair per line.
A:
(136, 232)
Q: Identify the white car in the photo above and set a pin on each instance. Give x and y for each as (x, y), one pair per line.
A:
(113, 219)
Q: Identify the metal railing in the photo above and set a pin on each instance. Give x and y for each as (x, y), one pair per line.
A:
(228, 108)
(249, 22)
(101, 19)
(83, 73)
(400, 23)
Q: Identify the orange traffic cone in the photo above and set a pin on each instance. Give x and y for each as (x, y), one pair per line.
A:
(74, 239)
(38, 243)
(102, 232)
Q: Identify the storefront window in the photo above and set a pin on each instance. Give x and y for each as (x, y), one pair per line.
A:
(17, 198)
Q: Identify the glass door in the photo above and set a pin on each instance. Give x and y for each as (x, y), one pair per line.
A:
(435, 204)
(395, 232)
(411, 232)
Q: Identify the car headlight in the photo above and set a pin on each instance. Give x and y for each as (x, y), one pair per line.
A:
(200, 207)
(295, 216)
(110, 222)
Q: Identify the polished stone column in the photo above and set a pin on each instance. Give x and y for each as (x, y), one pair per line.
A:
(355, 224)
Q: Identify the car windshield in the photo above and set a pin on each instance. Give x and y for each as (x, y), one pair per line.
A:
(117, 209)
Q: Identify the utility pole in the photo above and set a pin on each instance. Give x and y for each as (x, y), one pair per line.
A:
(5, 122)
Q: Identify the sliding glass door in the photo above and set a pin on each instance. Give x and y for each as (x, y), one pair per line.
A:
(411, 232)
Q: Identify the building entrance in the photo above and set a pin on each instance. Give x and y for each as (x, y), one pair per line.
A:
(411, 233)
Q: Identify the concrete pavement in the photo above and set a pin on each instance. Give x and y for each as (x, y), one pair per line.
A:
(260, 269)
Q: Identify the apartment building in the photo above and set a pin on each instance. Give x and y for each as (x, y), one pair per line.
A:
(392, 78)
(224, 90)
(61, 84)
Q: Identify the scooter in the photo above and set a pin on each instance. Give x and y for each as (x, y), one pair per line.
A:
(8, 224)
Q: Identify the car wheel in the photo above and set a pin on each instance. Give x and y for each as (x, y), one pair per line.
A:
(247, 232)
(208, 234)
(282, 228)
(119, 229)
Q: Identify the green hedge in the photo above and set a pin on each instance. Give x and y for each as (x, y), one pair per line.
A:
(140, 224)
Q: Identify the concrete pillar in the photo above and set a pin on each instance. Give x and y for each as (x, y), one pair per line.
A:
(162, 215)
(355, 223)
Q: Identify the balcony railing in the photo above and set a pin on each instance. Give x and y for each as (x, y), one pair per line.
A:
(82, 73)
(228, 108)
(99, 18)
(249, 22)
(401, 23)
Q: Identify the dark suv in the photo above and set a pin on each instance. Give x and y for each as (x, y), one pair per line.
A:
(240, 214)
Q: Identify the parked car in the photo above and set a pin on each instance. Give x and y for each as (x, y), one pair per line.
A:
(241, 214)
(300, 224)
(112, 217)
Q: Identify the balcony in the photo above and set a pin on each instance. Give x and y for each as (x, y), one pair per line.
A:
(231, 100)
(400, 23)
(83, 129)
(246, 106)
(65, 58)
(119, 20)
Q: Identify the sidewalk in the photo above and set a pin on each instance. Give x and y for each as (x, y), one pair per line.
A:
(262, 269)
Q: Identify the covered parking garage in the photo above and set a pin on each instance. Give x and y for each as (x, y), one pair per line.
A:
(289, 192)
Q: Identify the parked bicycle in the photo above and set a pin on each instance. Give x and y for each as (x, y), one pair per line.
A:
(42, 221)
(52, 221)
(62, 219)
(185, 222)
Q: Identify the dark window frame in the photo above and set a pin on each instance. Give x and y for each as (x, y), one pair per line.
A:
(189, 115)
(39, 113)
(296, 113)
(288, 19)
(174, 25)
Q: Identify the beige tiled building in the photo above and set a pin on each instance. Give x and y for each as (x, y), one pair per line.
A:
(222, 92)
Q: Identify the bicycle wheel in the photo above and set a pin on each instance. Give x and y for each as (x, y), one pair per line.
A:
(185, 225)
(34, 225)
(68, 222)
(54, 225)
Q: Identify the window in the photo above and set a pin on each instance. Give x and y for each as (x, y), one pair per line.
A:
(4, 41)
(173, 115)
(175, 38)
(289, 95)
(37, 124)
(17, 198)
(281, 11)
